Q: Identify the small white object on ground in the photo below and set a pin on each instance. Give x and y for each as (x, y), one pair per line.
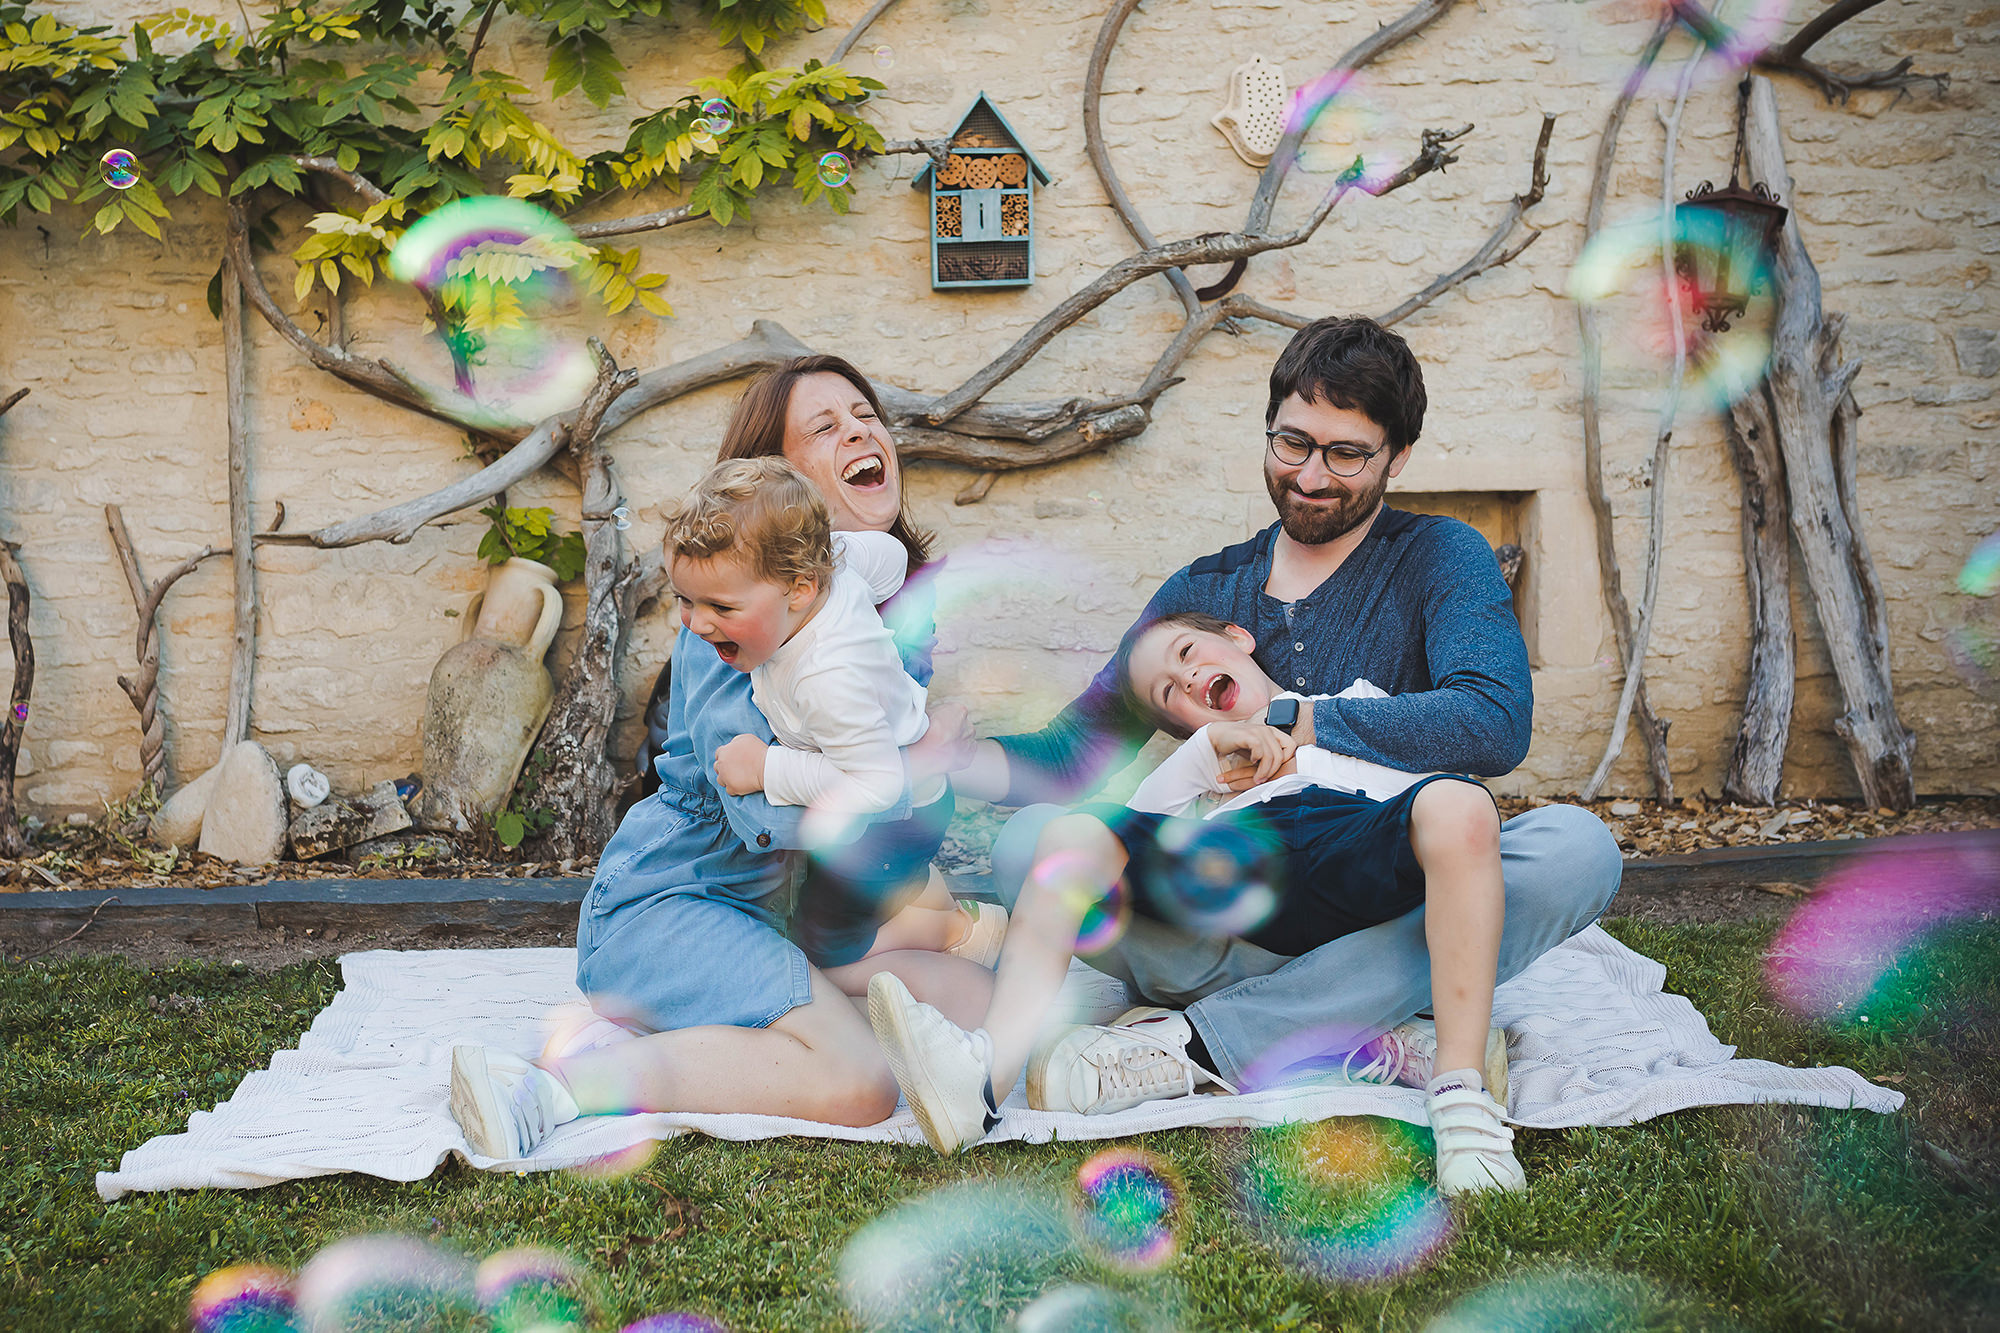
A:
(1625, 807)
(307, 785)
(77, 819)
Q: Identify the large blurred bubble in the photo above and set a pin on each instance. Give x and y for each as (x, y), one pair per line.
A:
(1131, 1201)
(1346, 134)
(952, 1258)
(675, 1323)
(1214, 877)
(1558, 1300)
(244, 1298)
(1856, 952)
(1089, 1309)
(528, 1289)
(1620, 277)
(1341, 1200)
(372, 1284)
(1607, 36)
(1974, 642)
(500, 273)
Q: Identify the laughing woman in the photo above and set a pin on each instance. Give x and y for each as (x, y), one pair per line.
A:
(682, 936)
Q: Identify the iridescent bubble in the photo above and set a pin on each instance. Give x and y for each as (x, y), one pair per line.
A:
(1974, 643)
(619, 1163)
(532, 1290)
(1131, 1202)
(834, 169)
(246, 1298)
(928, 1262)
(675, 1323)
(885, 57)
(1561, 1300)
(1604, 35)
(717, 117)
(1213, 877)
(1090, 1309)
(621, 518)
(1981, 575)
(1620, 276)
(366, 1284)
(20, 712)
(1344, 132)
(1337, 1210)
(500, 270)
(1104, 912)
(1854, 952)
(119, 169)
(701, 140)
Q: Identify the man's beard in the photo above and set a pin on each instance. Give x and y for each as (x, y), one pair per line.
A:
(1316, 525)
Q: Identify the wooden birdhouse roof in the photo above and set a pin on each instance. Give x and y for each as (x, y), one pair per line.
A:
(982, 126)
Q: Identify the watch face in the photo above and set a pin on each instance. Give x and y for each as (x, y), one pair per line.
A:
(1282, 713)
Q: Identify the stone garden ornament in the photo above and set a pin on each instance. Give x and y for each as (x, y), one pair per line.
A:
(489, 695)
(1254, 119)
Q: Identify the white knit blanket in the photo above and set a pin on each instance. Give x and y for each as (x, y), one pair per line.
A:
(1594, 1041)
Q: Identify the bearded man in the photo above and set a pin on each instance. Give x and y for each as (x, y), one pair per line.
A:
(1341, 587)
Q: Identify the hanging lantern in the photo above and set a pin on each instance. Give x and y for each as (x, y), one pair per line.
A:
(1724, 242)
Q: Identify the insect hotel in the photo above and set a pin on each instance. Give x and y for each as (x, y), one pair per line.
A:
(983, 204)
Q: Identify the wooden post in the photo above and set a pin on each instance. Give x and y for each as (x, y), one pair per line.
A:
(1808, 395)
(13, 843)
(243, 650)
(1757, 761)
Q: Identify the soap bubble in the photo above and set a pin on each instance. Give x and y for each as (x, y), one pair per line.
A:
(1974, 643)
(1560, 1300)
(939, 1261)
(675, 1323)
(1337, 1206)
(1620, 276)
(501, 269)
(1131, 1200)
(621, 518)
(246, 1298)
(1089, 1309)
(1344, 131)
(1212, 876)
(1606, 34)
(834, 169)
(1104, 912)
(20, 712)
(368, 1283)
(717, 117)
(1858, 950)
(528, 1289)
(119, 169)
(885, 57)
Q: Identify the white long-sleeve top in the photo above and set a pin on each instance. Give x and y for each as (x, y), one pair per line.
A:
(1194, 771)
(836, 694)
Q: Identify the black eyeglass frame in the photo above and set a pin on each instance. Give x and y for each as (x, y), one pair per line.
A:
(1325, 452)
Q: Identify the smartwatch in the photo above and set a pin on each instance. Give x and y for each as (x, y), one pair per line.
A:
(1282, 714)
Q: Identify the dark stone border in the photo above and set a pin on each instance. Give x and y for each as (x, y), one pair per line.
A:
(497, 906)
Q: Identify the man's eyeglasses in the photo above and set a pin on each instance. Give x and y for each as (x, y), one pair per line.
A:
(1342, 460)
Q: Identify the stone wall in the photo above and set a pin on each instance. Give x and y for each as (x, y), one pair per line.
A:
(1895, 196)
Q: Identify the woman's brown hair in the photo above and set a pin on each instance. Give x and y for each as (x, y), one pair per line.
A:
(757, 430)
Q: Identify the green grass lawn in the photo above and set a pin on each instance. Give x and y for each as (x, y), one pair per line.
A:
(1774, 1217)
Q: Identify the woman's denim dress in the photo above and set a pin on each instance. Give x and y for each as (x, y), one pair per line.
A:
(685, 922)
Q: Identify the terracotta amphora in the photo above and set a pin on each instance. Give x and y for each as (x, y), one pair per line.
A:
(489, 696)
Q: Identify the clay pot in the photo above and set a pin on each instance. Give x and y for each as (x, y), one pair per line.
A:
(488, 698)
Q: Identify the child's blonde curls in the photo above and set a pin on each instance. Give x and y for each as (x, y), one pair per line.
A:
(763, 508)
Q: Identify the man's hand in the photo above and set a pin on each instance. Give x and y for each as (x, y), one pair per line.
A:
(1267, 750)
(739, 765)
(946, 747)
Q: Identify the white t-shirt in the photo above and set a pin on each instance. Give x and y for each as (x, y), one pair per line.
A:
(1193, 771)
(837, 696)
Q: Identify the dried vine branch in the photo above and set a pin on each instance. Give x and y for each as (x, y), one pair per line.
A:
(11, 399)
(13, 843)
(1834, 85)
(1100, 156)
(875, 11)
(243, 642)
(143, 688)
(1652, 731)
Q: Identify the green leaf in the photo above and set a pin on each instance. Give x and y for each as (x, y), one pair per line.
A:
(493, 547)
(567, 557)
(215, 294)
(509, 828)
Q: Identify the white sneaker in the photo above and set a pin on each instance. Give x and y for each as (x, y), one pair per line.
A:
(1139, 1057)
(1475, 1151)
(944, 1071)
(989, 931)
(1407, 1054)
(505, 1105)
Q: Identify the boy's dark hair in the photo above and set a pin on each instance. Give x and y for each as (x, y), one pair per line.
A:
(1357, 364)
(1134, 703)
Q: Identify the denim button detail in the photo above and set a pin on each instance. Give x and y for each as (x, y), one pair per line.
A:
(1301, 680)
(763, 840)
(1298, 647)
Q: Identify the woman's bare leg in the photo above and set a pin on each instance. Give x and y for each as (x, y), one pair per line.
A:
(818, 1062)
(1455, 833)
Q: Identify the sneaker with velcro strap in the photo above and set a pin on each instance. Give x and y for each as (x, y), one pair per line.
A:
(1139, 1057)
(1475, 1148)
(505, 1104)
(945, 1072)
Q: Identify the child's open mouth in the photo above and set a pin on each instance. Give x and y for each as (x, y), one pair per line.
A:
(1220, 693)
(726, 650)
(865, 474)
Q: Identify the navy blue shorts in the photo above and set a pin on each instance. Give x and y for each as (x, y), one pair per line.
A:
(1320, 863)
(850, 890)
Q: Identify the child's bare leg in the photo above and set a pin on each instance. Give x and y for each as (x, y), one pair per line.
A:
(958, 988)
(930, 920)
(1077, 859)
(1455, 832)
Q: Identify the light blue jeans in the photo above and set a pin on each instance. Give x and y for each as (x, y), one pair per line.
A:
(1561, 867)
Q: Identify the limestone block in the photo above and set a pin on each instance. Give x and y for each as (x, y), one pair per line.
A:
(1978, 351)
(245, 819)
(339, 823)
(178, 820)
